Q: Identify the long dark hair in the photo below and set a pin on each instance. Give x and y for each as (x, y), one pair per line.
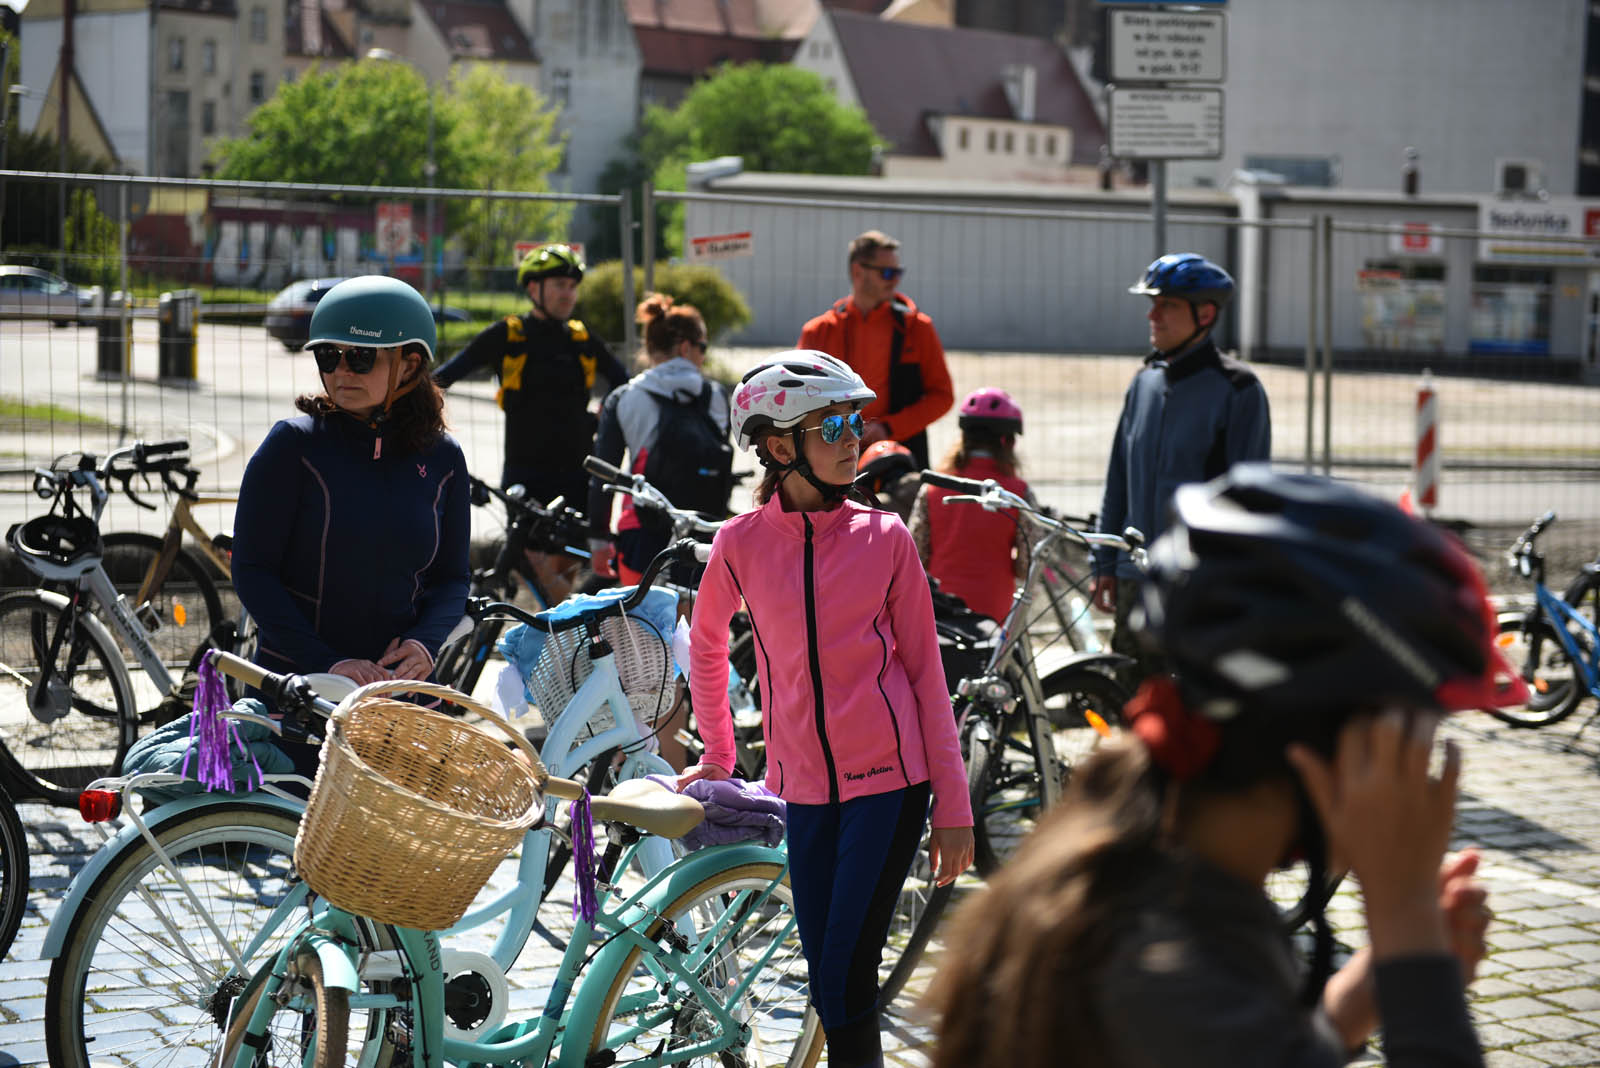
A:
(1001, 446)
(415, 420)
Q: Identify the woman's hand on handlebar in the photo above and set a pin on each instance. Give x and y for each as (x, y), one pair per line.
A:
(696, 772)
(407, 658)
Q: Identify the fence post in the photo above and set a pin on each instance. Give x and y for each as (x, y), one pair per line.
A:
(647, 220)
(625, 220)
(1327, 344)
(1311, 347)
(1425, 474)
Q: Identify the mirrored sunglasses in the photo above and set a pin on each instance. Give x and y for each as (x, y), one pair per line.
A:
(832, 426)
(890, 274)
(359, 358)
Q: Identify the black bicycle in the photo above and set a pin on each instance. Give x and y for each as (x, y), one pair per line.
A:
(13, 870)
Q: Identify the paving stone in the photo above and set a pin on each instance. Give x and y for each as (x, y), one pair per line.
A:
(1493, 1035)
(1537, 958)
(1501, 1058)
(1563, 1026)
(1498, 987)
(1567, 1054)
(1586, 998)
(1514, 1008)
(1502, 939)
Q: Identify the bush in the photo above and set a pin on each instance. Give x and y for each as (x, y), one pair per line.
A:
(600, 298)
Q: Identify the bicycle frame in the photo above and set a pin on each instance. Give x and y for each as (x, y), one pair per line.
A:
(1558, 612)
(182, 521)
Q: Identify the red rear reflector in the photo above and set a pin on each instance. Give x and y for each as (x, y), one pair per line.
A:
(99, 806)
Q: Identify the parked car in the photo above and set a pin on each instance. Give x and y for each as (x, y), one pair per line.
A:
(30, 291)
(289, 313)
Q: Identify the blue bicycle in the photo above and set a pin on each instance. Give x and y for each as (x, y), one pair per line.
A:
(1555, 644)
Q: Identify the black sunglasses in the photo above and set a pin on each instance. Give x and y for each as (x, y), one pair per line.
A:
(359, 358)
(888, 274)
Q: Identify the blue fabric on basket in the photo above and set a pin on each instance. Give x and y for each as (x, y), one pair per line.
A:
(522, 644)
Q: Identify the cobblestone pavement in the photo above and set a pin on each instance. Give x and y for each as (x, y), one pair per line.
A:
(1530, 802)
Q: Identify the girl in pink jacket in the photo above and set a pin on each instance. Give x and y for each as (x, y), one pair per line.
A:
(859, 731)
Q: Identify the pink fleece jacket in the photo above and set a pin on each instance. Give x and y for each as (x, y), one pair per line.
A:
(853, 691)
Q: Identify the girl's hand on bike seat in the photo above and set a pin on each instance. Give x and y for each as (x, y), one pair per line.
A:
(361, 671)
(695, 772)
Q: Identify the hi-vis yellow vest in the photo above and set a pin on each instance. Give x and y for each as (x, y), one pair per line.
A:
(512, 363)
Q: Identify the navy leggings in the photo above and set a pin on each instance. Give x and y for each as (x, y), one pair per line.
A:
(847, 863)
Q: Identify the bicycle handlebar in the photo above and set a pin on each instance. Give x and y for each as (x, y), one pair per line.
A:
(554, 526)
(992, 496)
(684, 521)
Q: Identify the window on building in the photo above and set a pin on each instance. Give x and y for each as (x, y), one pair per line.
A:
(1511, 310)
(1402, 305)
(1011, 143)
(175, 140)
(827, 50)
(258, 86)
(175, 54)
(1033, 144)
(561, 86)
(208, 57)
(962, 138)
(208, 117)
(258, 23)
(1050, 145)
(992, 140)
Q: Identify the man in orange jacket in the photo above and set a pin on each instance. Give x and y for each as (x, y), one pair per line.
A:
(880, 333)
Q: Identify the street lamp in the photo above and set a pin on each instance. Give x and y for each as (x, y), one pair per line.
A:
(428, 169)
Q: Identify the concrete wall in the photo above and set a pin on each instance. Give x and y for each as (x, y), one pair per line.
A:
(1464, 81)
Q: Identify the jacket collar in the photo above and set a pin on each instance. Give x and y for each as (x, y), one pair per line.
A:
(793, 524)
(1190, 361)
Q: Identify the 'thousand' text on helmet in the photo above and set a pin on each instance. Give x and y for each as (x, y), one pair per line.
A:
(1278, 595)
(1188, 276)
(550, 261)
(783, 390)
(991, 408)
(375, 311)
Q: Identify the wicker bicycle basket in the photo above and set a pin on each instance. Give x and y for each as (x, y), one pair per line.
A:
(412, 810)
(644, 665)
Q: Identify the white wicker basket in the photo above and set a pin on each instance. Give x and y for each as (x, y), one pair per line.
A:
(644, 663)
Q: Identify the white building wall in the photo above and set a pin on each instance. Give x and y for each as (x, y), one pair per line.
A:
(113, 61)
(820, 52)
(1464, 81)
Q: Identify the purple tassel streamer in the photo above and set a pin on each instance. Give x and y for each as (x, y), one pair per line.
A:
(583, 859)
(211, 738)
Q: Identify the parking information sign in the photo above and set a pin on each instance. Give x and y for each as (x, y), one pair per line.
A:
(1168, 46)
(1166, 123)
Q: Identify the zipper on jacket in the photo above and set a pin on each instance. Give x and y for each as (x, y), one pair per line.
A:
(816, 664)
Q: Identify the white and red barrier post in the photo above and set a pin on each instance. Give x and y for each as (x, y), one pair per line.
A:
(1425, 473)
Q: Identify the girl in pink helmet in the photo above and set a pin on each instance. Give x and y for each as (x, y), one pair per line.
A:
(976, 554)
(859, 731)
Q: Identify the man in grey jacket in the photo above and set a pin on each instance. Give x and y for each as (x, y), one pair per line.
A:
(1189, 415)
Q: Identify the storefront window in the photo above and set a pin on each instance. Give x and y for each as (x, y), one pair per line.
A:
(1402, 305)
(1511, 310)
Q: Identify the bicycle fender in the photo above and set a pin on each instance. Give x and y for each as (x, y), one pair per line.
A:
(1109, 662)
(334, 955)
(584, 1012)
(92, 624)
(129, 838)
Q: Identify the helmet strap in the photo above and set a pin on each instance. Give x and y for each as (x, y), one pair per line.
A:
(536, 295)
(831, 494)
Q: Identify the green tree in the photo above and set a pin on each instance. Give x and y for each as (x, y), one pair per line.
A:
(777, 117)
(366, 123)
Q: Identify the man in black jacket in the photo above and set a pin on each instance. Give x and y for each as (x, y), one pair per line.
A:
(547, 364)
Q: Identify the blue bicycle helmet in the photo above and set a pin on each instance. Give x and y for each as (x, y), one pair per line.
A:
(1187, 275)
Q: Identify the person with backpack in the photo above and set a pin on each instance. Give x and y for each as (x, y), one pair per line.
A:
(879, 333)
(672, 422)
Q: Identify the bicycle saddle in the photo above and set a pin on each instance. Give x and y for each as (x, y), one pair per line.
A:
(55, 547)
(650, 807)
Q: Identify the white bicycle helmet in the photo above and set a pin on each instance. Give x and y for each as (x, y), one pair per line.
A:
(783, 390)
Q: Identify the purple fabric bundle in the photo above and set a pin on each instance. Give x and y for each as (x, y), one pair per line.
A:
(583, 860)
(736, 811)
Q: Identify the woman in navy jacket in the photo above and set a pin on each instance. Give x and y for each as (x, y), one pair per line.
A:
(350, 545)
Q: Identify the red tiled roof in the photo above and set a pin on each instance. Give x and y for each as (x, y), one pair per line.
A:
(694, 54)
(735, 18)
(482, 29)
(904, 72)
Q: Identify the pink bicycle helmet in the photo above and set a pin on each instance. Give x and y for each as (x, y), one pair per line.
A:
(991, 408)
(783, 390)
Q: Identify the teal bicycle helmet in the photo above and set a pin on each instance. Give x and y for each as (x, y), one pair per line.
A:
(374, 311)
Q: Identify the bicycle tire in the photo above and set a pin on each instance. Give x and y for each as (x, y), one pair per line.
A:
(129, 556)
(775, 1028)
(89, 720)
(917, 913)
(237, 856)
(1020, 781)
(13, 871)
(1555, 684)
(1072, 697)
(327, 1024)
(1583, 593)
(1297, 900)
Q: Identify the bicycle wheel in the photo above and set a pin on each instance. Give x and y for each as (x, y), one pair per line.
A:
(1297, 898)
(648, 1015)
(185, 602)
(81, 724)
(1084, 707)
(916, 916)
(142, 977)
(310, 1025)
(1583, 593)
(1555, 685)
(1014, 778)
(13, 871)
